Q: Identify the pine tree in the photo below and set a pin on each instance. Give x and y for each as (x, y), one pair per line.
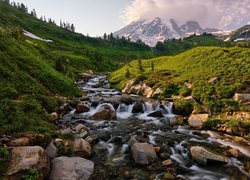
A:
(72, 28)
(127, 74)
(152, 66)
(105, 36)
(61, 24)
(140, 65)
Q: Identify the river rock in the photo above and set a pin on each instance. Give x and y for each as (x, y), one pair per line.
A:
(81, 148)
(138, 107)
(201, 155)
(53, 116)
(66, 131)
(79, 128)
(82, 108)
(242, 97)
(20, 142)
(105, 114)
(143, 153)
(71, 168)
(157, 114)
(175, 120)
(196, 120)
(167, 162)
(51, 150)
(126, 99)
(28, 157)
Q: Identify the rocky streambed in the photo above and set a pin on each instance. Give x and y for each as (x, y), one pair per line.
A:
(116, 136)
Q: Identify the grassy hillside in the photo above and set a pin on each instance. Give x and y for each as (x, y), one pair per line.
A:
(231, 66)
(174, 46)
(82, 51)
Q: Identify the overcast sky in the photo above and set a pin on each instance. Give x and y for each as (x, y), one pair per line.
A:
(98, 16)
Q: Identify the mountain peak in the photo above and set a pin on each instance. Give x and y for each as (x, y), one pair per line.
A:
(154, 30)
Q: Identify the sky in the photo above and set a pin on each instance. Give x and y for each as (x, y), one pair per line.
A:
(95, 17)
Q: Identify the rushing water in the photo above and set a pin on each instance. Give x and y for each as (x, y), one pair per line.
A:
(111, 152)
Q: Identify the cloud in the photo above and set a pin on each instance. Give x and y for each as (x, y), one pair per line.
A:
(209, 13)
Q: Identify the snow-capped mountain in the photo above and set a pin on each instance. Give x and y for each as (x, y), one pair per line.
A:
(152, 31)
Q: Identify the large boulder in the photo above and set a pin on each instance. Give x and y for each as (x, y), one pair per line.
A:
(105, 113)
(202, 155)
(81, 148)
(126, 99)
(27, 157)
(71, 168)
(244, 97)
(156, 114)
(82, 108)
(196, 120)
(137, 108)
(143, 153)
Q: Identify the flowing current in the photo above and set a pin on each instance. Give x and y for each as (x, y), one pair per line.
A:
(155, 124)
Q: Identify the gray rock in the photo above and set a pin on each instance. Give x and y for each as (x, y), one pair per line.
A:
(51, 150)
(74, 168)
(143, 153)
(201, 155)
(79, 128)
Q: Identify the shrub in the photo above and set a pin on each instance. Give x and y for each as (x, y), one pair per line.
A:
(183, 107)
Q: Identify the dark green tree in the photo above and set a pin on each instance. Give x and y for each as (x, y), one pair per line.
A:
(152, 66)
(127, 74)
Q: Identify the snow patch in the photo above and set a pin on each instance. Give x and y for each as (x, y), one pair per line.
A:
(28, 34)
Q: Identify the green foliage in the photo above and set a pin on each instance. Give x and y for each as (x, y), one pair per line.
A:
(31, 174)
(211, 123)
(183, 107)
(4, 155)
(184, 91)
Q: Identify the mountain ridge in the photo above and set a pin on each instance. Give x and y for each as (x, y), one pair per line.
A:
(152, 31)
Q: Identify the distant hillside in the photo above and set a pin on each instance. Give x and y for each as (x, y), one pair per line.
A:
(215, 74)
(174, 46)
(240, 35)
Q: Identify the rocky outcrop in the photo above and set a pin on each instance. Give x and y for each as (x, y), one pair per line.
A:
(244, 97)
(27, 157)
(71, 168)
(81, 148)
(156, 114)
(202, 155)
(196, 120)
(142, 89)
(143, 153)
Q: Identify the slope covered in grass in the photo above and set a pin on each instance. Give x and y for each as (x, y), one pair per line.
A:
(229, 66)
